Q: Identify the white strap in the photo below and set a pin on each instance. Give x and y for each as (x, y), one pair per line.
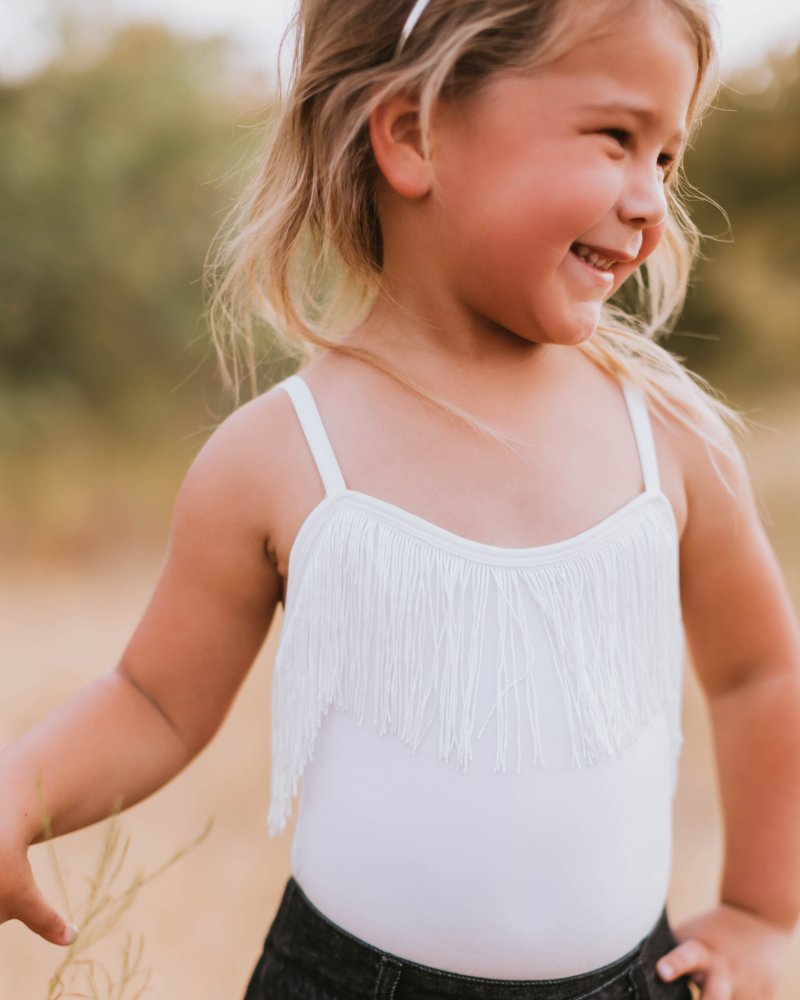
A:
(314, 430)
(642, 428)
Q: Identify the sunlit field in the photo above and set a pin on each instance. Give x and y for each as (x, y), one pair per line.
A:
(203, 921)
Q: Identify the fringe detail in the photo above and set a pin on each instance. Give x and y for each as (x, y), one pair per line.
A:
(611, 612)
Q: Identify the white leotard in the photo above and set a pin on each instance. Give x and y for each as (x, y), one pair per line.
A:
(488, 737)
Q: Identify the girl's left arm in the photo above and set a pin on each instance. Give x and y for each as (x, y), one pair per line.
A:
(745, 644)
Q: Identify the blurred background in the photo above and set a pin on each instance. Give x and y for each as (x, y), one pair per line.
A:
(126, 132)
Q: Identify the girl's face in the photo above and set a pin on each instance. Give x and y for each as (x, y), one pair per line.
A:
(549, 187)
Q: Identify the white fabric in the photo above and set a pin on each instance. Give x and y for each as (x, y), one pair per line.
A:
(487, 737)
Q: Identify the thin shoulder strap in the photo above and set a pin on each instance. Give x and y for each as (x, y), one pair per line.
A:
(642, 428)
(315, 434)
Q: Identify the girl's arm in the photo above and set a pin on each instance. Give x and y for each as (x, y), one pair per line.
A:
(130, 732)
(745, 646)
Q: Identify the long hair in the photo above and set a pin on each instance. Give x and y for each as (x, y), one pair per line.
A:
(302, 251)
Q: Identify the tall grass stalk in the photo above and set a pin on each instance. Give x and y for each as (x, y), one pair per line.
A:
(80, 976)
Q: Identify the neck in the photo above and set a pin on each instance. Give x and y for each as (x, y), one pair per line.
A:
(461, 361)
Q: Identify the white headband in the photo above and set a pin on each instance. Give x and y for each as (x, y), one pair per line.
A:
(416, 13)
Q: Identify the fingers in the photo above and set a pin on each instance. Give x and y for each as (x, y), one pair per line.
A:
(705, 967)
(21, 899)
(37, 914)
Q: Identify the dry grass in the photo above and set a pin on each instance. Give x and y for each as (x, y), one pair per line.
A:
(79, 973)
(204, 919)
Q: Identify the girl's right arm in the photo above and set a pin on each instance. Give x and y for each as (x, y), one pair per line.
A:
(131, 731)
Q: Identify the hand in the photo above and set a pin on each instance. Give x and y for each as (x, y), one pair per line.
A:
(731, 953)
(21, 899)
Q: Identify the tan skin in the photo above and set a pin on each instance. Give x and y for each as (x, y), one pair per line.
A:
(254, 483)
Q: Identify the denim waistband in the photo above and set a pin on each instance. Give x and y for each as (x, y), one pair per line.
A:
(345, 966)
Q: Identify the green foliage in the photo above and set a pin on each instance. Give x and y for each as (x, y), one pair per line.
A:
(118, 167)
(114, 178)
(746, 297)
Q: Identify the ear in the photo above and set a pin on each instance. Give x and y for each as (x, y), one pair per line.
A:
(396, 136)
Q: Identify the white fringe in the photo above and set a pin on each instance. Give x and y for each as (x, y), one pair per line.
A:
(611, 609)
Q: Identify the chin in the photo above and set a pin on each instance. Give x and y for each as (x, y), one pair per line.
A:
(565, 330)
(572, 337)
(574, 326)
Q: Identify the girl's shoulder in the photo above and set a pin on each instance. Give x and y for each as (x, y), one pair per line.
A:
(236, 496)
(246, 452)
(255, 474)
(716, 503)
(260, 444)
(704, 450)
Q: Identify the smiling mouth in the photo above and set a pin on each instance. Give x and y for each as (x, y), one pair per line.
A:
(590, 256)
(598, 258)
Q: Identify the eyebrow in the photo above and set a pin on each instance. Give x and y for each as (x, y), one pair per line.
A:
(643, 114)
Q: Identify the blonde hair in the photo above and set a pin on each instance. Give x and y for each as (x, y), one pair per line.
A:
(302, 250)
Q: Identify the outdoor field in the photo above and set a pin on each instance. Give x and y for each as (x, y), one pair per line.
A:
(124, 150)
(203, 920)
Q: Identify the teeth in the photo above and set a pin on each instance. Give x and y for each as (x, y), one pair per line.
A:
(603, 263)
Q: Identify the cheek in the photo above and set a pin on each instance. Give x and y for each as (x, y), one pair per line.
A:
(548, 197)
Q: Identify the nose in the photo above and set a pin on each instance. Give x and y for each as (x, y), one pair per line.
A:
(644, 201)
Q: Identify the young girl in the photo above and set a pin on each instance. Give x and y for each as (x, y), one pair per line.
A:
(490, 506)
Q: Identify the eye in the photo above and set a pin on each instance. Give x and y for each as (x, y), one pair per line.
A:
(666, 163)
(619, 135)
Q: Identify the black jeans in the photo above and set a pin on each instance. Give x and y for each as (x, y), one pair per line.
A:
(308, 957)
